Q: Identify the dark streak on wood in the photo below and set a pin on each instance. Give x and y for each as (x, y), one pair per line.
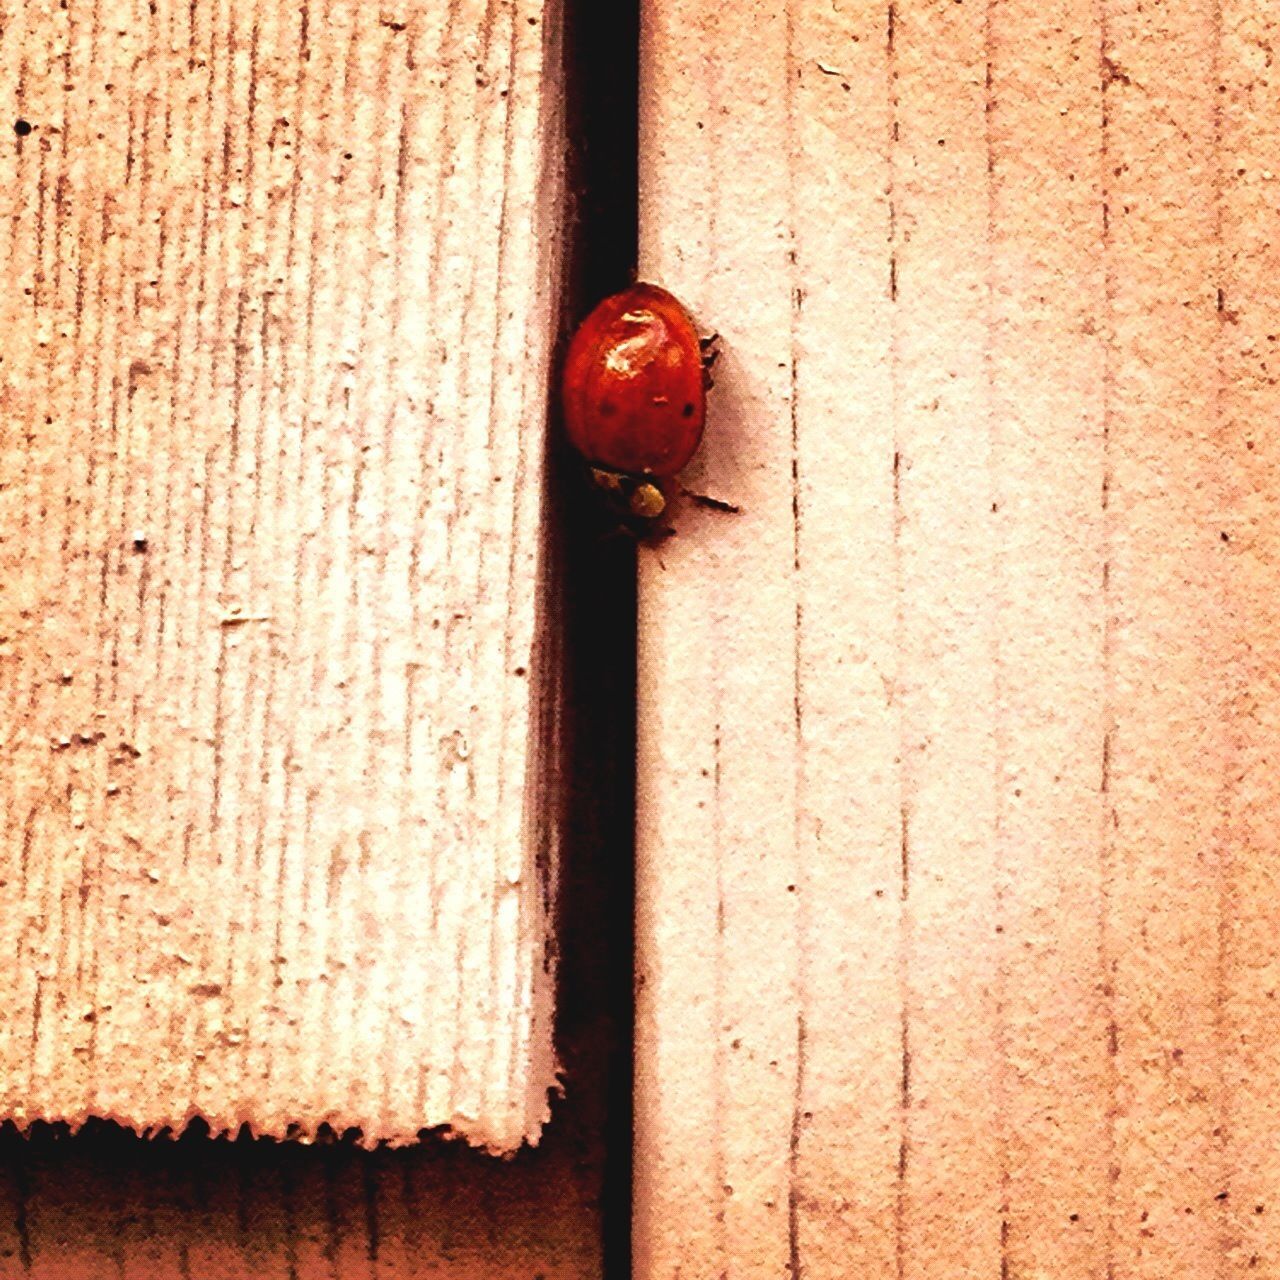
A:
(1224, 844)
(795, 1261)
(722, 1190)
(901, 1246)
(1107, 843)
(1000, 733)
(22, 1196)
(372, 1227)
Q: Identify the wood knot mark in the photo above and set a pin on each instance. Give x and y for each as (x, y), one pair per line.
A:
(1112, 73)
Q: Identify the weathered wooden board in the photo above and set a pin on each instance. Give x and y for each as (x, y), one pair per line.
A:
(279, 296)
(957, 887)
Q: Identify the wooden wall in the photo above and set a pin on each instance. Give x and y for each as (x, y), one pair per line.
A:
(956, 897)
(957, 799)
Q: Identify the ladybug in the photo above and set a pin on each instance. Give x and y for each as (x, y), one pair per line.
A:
(635, 395)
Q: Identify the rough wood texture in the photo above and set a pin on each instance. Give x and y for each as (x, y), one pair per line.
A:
(957, 866)
(278, 305)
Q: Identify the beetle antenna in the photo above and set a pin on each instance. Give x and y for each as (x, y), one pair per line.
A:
(712, 504)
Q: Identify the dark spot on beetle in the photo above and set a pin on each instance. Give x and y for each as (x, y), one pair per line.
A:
(687, 411)
(607, 408)
(22, 127)
(519, 671)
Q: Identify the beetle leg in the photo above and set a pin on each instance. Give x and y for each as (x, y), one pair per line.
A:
(710, 348)
(655, 539)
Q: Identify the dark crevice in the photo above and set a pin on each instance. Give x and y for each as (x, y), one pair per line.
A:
(598, 889)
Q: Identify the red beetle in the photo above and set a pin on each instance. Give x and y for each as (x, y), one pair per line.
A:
(635, 381)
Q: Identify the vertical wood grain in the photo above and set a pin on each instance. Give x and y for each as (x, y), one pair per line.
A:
(946, 670)
(279, 298)
(1247, 132)
(1167, 584)
(954, 893)
(1046, 368)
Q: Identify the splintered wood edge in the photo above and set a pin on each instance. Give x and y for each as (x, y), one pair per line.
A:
(227, 1128)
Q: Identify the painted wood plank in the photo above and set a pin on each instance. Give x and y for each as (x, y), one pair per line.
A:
(954, 798)
(278, 687)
